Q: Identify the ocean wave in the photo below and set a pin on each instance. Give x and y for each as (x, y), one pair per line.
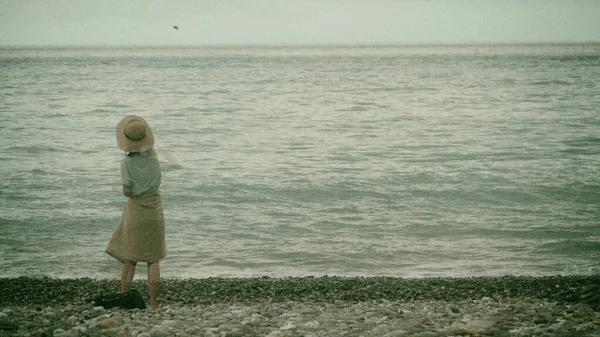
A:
(551, 82)
(115, 106)
(582, 146)
(582, 151)
(576, 58)
(39, 172)
(33, 149)
(354, 108)
(56, 106)
(99, 111)
(195, 109)
(571, 247)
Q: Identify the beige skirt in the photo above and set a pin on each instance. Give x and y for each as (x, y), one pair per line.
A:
(140, 235)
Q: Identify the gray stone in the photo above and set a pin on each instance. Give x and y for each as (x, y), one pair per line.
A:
(159, 331)
(407, 313)
(288, 326)
(311, 325)
(498, 332)
(380, 330)
(428, 334)
(62, 333)
(590, 298)
(542, 320)
(169, 323)
(72, 319)
(225, 327)
(48, 312)
(212, 330)
(79, 329)
(194, 330)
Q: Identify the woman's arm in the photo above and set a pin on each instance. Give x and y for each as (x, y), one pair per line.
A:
(126, 191)
(173, 164)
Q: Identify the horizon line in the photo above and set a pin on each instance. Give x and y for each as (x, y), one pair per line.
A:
(297, 45)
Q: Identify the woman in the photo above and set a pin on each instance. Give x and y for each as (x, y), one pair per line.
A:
(140, 235)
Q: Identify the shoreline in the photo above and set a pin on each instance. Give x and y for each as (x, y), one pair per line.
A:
(48, 291)
(306, 306)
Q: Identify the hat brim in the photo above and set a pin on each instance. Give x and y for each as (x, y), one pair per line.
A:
(127, 145)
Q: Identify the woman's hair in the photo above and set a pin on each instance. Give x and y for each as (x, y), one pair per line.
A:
(132, 154)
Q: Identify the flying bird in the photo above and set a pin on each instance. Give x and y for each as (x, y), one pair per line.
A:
(176, 27)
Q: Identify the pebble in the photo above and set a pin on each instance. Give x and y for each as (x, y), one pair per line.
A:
(428, 334)
(110, 322)
(72, 319)
(159, 331)
(288, 326)
(396, 333)
(440, 315)
(312, 325)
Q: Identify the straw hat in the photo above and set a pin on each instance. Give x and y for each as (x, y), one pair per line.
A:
(134, 135)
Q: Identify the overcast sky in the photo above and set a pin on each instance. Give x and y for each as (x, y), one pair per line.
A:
(249, 22)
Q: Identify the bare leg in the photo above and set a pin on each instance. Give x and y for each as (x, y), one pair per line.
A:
(127, 275)
(153, 281)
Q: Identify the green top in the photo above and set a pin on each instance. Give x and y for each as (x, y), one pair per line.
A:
(141, 172)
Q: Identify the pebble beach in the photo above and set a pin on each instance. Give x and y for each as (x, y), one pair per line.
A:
(308, 306)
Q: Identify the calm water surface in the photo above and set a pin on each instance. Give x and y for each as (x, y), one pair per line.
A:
(403, 161)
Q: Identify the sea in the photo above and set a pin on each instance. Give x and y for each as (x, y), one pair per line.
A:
(289, 161)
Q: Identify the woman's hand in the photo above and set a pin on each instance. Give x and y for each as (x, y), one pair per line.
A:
(126, 191)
